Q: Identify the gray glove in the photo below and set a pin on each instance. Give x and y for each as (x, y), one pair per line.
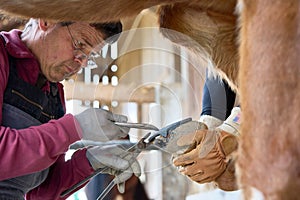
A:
(98, 125)
(120, 163)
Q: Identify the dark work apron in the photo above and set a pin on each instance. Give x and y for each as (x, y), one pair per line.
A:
(26, 105)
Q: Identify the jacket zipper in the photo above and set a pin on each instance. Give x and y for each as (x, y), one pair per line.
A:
(32, 102)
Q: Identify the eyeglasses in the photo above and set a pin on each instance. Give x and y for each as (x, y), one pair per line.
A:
(78, 51)
(78, 48)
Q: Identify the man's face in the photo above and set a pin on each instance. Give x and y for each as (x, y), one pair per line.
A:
(65, 49)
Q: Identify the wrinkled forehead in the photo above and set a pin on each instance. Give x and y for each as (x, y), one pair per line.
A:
(87, 34)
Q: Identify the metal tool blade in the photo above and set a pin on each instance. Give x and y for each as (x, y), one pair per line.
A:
(165, 130)
(137, 125)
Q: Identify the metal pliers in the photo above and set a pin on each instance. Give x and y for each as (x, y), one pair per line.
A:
(145, 143)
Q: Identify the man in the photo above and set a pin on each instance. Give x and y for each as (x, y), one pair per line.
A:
(35, 132)
(219, 141)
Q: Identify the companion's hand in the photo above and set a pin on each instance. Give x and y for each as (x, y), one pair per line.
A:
(98, 125)
(227, 181)
(207, 160)
(118, 161)
(209, 156)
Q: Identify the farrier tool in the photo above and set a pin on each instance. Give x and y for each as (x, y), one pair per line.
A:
(148, 142)
(137, 125)
(81, 144)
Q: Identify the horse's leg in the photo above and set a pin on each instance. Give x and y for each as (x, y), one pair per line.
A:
(208, 29)
(269, 154)
(82, 10)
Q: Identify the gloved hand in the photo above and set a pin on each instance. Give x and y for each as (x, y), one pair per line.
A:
(120, 163)
(207, 157)
(207, 161)
(227, 180)
(98, 125)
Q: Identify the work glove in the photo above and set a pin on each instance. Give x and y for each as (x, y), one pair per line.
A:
(118, 161)
(227, 180)
(98, 125)
(210, 121)
(206, 159)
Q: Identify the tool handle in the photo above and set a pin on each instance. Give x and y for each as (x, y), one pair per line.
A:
(134, 148)
(106, 190)
(80, 183)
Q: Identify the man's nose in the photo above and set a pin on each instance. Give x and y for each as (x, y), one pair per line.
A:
(83, 61)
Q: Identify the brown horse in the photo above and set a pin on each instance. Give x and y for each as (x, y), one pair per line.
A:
(256, 51)
(270, 94)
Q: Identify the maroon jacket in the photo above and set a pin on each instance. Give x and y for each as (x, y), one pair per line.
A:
(36, 148)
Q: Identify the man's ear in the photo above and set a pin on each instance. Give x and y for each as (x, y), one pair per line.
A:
(45, 24)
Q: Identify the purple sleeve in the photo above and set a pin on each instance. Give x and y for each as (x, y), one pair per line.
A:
(32, 149)
(62, 175)
(4, 71)
(35, 148)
